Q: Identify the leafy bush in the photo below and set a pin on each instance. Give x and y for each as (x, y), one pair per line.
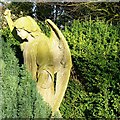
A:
(95, 53)
(19, 98)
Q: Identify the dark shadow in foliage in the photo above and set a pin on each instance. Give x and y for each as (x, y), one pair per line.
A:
(18, 52)
(15, 47)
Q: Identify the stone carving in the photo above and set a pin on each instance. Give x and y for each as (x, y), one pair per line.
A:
(48, 59)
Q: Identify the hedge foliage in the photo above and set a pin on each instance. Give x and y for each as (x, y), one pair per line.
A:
(95, 49)
(93, 91)
(19, 98)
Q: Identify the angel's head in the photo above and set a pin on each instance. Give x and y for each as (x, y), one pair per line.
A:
(24, 34)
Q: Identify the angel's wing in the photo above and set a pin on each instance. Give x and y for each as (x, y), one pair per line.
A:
(62, 62)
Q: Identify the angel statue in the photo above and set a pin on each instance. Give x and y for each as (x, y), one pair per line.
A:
(48, 59)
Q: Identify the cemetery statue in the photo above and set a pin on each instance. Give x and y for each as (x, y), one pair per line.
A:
(47, 58)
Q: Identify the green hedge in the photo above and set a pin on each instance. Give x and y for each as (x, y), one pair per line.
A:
(19, 97)
(93, 91)
(95, 48)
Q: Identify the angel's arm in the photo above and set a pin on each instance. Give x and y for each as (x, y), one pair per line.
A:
(9, 20)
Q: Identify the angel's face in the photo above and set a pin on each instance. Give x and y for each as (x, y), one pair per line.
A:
(22, 33)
